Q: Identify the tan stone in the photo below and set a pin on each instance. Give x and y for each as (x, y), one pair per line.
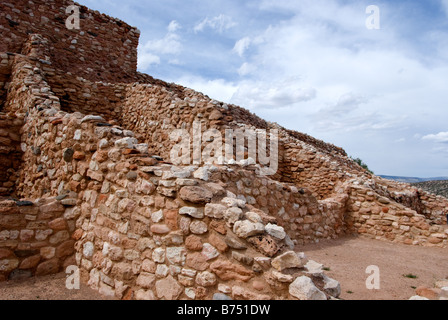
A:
(197, 261)
(217, 242)
(30, 262)
(193, 243)
(168, 288)
(226, 271)
(240, 293)
(48, 267)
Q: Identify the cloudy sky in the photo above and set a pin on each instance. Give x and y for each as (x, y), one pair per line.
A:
(313, 66)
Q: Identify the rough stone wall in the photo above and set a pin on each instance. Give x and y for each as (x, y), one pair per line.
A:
(10, 153)
(81, 95)
(142, 228)
(5, 72)
(103, 49)
(35, 238)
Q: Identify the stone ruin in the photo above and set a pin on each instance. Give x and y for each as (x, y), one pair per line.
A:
(85, 178)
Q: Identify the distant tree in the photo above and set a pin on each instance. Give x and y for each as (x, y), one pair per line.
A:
(362, 164)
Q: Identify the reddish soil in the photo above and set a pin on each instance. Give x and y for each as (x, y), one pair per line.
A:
(348, 259)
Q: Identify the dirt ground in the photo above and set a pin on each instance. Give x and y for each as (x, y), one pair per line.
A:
(346, 258)
(45, 288)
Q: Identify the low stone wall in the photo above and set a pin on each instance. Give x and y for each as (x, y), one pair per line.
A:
(381, 218)
(35, 238)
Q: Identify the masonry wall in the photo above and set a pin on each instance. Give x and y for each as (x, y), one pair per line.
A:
(10, 153)
(380, 218)
(103, 49)
(80, 95)
(35, 238)
(5, 72)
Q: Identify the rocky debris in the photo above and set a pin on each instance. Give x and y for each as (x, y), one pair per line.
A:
(289, 260)
(438, 292)
(226, 271)
(245, 229)
(303, 288)
(275, 231)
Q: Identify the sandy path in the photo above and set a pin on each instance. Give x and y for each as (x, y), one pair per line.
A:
(45, 288)
(349, 257)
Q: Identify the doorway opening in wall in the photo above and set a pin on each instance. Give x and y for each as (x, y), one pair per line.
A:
(4, 80)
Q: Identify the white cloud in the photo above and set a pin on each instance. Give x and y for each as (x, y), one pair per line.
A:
(441, 137)
(242, 45)
(219, 23)
(445, 6)
(258, 94)
(245, 69)
(146, 59)
(151, 52)
(218, 89)
(174, 26)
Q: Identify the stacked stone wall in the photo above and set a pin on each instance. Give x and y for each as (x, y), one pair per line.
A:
(102, 49)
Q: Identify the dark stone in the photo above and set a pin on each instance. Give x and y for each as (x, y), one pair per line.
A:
(103, 124)
(132, 175)
(20, 275)
(68, 155)
(24, 203)
(25, 253)
(221, 296)
(62, 197)
(37, 151)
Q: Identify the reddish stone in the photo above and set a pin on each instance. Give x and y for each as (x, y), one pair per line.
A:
(58, 224)
(130, 151)
(29, 262)
(55, 122)
(77, 234)
(226, 271)
(171, 219)
(102, 156)
(197, 261)
(78, 155)
(430, 293)
(70, 261)
(74, 186)
(65, 249)
(129, 295)
(193, 243)
(385, 209)
(5, 253)
(48, 267)
(218, 243)
(219, 226)
(265, 244)
(102, 198)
